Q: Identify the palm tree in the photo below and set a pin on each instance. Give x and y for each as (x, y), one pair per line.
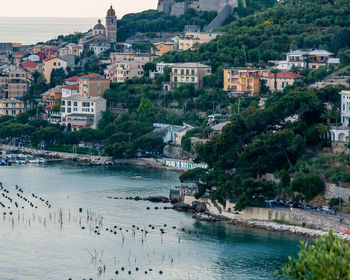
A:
(275, 71)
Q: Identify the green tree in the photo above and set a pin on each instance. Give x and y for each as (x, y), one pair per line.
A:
(328, 258)
(145, 109)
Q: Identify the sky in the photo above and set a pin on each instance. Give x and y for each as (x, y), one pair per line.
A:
(71, 8)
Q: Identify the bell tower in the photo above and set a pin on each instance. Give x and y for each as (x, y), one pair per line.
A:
(111, 25)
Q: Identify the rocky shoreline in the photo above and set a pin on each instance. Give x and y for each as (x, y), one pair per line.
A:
(91, 160)
(202, 214)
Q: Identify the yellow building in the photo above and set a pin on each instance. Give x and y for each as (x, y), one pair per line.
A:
(161, 48)
(93, 85)
(188, 41)
(11, 107)
(243, 80)
(52, 63)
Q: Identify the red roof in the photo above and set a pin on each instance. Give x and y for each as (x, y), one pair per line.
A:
(72, 79)
(71, 87)
(92, 76)
(29, 64)
(50, 58)
(20, 54)
(285, 75)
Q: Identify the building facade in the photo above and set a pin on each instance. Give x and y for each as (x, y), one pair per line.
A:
(189, 73)
(81, 112)
(51, 64)
(11, 107)
(243, 80)
(161, 48)
(142, 57)
(93, 85)
(283, 79)
(123, 70)
(13, 83)
(111, 25)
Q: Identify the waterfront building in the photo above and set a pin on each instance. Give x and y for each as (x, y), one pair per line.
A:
(189, 73)
(171, 133)
(11, 107)
(51, 64)
(123, 70)
(93, 85)
(13, 83)
(243, 80)
(81, 112)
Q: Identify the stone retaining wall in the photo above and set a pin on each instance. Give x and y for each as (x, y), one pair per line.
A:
(332, 190)
(293, 216)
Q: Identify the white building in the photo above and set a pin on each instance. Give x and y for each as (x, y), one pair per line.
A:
(99, 48)
(81, 112)
(70, 90)
(342, 133)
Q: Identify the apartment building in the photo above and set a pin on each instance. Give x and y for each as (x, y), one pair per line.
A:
(244, 80)
(81, 112)
(189, 73)
(124, 69)
(11, 107)
(13, 83)
(93, 85)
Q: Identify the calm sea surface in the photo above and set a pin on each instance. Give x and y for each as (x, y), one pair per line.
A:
(34, 244)
(33, 30)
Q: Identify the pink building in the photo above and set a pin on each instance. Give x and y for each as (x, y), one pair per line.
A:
(123, 70)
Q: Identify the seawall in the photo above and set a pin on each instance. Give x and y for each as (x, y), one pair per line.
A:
(297, 221)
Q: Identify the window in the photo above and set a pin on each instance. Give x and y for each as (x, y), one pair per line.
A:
(75, 109)
(182, 71)
(69, 103)
(187, 72)
(54, 64)
(192, 72)
(193, 79)
(175, 71)
(175, 79)
(86, 104)
(69, 110)
(63, 110)
(99, 83)
(75, 103)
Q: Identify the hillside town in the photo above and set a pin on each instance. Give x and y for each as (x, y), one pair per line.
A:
(230, 111)
(76, 100)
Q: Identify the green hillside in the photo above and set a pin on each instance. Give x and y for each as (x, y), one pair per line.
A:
(268, 34)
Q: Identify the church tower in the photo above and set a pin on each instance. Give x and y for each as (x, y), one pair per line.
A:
(111, 25)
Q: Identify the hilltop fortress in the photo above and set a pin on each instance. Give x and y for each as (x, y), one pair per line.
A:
(178, 8)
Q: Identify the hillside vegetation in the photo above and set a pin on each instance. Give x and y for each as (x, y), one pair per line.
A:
(268, 34)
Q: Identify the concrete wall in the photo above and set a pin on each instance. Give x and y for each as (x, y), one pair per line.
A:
(293, 216)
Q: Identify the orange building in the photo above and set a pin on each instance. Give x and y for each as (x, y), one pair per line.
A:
(161, 48)
(52, 96)
(243, 80)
